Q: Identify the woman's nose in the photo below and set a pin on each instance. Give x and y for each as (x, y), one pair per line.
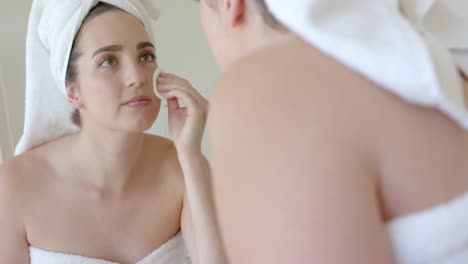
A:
(135, 75)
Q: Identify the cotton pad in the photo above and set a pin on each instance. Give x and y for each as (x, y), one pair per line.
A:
(155, 83)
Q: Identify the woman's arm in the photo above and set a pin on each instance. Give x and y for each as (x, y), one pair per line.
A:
(293, 175)
(198, 220)
(187, 125)
(13, 243)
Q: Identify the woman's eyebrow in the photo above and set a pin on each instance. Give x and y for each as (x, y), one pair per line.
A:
(108, 48)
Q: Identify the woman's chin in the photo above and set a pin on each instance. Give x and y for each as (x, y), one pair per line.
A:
(145, 123)
(142, 121)
(140, 126)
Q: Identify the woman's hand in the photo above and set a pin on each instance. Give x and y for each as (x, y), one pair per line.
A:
(187, 123)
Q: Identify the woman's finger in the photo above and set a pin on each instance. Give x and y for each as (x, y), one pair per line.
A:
(162, 88)
(172, 78)
(173, 104)
(190, 103)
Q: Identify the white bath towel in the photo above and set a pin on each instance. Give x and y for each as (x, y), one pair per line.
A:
(413, 48)
(52, 27)
(171, 252)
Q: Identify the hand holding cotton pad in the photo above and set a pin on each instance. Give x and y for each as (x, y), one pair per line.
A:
(155, 83)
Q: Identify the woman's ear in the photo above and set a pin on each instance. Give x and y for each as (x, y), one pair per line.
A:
(235, 10)
(73, 95)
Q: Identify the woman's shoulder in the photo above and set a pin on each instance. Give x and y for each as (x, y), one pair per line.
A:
(16, 173)
(293, 73)
(10, 176)
(157, 140)
(163, 151)
(23, 176)
(15, 188)
(290, 67)
(13, 200)
(161, 155)
(158, 145)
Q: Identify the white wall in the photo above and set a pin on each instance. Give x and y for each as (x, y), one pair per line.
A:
(6, 146)
(181, 50)
(13, 26)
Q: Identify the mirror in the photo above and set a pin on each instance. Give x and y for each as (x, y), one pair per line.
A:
(181, 47)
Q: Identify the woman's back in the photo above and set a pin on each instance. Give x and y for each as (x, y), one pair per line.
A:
(409, 158)
(420, 154)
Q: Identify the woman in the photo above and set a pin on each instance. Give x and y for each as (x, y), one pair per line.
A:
(110, 192)
(313, 161)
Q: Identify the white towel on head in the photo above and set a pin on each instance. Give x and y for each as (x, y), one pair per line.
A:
(413, 48)
(52, 27)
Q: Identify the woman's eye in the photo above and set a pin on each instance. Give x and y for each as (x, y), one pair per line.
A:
(148, 57)
(108, 62)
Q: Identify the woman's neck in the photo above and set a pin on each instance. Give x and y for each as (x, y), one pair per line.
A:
(107, 159)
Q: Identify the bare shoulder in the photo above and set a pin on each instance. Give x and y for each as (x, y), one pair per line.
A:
(283, 121)
(291, 105)
(292, 91)
(17, 176)
(293, 81)
(156, 142)
(9, 180)
(13, 245)
(14, 173)
(11, 187)
(161, 147)
(163, 153)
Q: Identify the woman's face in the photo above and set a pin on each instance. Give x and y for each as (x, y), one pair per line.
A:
(115, 71)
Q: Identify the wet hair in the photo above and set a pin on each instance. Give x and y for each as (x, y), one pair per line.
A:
(75, 54)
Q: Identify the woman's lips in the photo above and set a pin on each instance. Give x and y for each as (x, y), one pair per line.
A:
(138, 101)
